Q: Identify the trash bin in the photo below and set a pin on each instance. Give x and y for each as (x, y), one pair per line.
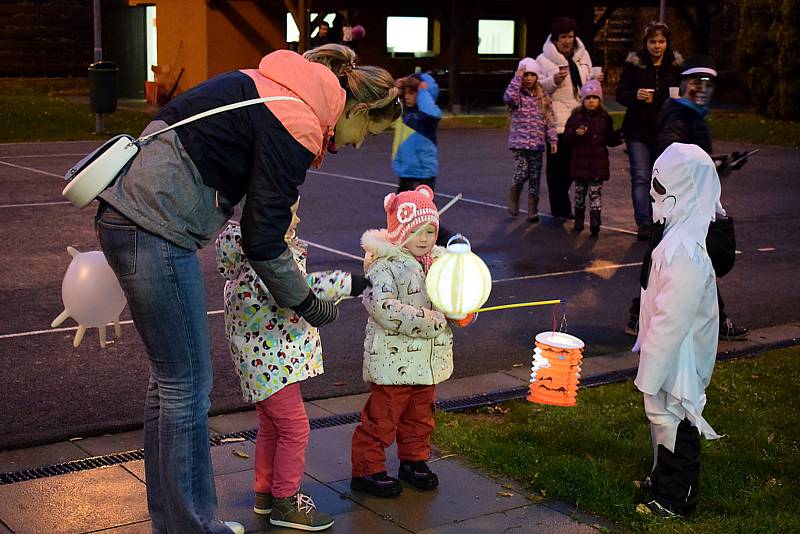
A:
(103, 86)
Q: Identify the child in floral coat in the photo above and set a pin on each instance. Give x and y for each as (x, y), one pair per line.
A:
(273, 350)
(407, 350)
(531, 129)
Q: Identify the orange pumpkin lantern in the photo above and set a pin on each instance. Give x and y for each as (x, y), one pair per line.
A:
(556, 369)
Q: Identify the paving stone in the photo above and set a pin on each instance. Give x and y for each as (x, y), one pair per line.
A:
(522, 373)
(328, 454)
(316, 411)
(343, 405)
(233, 422)
(474, 385)
(461, 494)
(112, 443)
(767, 335)
(225, 461)
(532, 518)
(55, 453)
(142, 527)
(235, 494)
(77, 502)
(136, 468)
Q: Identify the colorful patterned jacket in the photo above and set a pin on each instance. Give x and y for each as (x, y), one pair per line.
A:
(528, 129)
(271, 347)
(407, 342)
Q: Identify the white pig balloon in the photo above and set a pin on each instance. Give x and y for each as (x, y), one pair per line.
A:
(91, 294)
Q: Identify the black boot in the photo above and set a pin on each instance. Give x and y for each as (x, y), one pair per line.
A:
(594, 221)
(579, 216)
(533, 208)
(513, 199)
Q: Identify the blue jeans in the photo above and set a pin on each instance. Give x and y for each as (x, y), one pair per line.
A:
(641, 160)
(166, 296)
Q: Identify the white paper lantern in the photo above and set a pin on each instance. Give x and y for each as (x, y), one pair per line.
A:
(458, 283)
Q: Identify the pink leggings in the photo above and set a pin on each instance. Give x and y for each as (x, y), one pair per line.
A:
(281, 443)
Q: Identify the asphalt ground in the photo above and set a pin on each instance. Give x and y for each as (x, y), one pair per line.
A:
(51, 391)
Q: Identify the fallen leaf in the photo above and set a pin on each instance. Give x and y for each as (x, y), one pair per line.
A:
(506, 485)
(771, 437)
(543, 493)
(518, 365)
(240, 454)
(231, 440)
(505, 494)
(452, 424)
(771, 482)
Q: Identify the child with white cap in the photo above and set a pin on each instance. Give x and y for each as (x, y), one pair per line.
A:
(590, 130)
(530, 130)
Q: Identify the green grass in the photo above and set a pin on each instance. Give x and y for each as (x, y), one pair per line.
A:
(726, 126)
(43, 110)
(590, 454)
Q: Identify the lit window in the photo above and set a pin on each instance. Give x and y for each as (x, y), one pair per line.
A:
(293, 33)
(407, 34)
(496, 37)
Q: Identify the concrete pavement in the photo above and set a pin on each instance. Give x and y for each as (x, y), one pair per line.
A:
(112, 498)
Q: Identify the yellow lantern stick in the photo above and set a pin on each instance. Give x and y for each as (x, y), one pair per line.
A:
(520, 305)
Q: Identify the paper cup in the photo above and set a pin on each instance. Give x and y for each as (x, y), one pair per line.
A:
(597, 72)
(674, 92)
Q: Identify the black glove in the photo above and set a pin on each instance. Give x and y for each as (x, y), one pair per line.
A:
(317, 312)
(358, 284)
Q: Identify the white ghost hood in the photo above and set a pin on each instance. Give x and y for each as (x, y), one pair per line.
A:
(686, 196)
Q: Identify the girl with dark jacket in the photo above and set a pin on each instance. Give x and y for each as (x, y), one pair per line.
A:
(590, 130)
(644, 87)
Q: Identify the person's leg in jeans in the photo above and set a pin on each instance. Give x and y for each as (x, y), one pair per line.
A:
(558, 179)
(639, 156)
(164, 287)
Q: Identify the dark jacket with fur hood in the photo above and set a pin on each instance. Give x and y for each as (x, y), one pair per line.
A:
(640, 122)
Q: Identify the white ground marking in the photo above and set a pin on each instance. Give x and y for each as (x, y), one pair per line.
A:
(22, 156)
(464, 199)
(766, 249)
(35, 204)
(72, 328)
(31, 169)
(217, 312)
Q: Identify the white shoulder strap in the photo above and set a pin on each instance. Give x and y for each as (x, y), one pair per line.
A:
(220, 109)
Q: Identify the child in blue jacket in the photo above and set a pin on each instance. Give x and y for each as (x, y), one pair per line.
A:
(414, 153)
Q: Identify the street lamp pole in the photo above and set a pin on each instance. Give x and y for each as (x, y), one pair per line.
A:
(662, 9)
(99, 123)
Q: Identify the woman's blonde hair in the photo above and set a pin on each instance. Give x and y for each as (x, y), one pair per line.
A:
(371, 88)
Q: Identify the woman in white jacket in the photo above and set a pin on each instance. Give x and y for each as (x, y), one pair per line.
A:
(679, 325)
(564, 66)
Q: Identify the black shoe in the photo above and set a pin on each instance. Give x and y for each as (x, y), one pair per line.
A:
(418, 474)
(644, 232)
(730, 332)
(579, 220)
(378, 484)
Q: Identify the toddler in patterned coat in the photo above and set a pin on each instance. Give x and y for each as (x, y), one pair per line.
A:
(408, 347)
(273, 350)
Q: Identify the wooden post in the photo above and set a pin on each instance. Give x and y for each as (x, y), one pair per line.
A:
(455, 45)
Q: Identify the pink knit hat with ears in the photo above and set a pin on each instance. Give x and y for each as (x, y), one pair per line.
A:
(406, 211)
(591, 88)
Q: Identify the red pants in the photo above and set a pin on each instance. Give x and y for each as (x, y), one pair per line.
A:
(281, 443)
(404, 412)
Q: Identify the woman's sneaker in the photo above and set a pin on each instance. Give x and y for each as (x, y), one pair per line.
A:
(378, 484)
(300, 512)
(263, 505)
(418, 474)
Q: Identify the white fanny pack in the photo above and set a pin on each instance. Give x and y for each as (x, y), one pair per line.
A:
(95, 172)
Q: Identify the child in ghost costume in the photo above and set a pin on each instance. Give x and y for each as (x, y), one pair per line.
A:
(679, 326)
